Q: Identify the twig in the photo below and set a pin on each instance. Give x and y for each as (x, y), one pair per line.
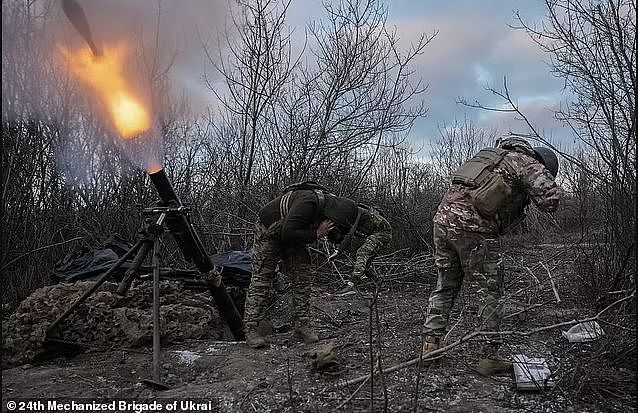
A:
(460, 319)
(551, 281)
(538, 282)
(526, 309)
(439, 353)
(39, 249)
(343, 403)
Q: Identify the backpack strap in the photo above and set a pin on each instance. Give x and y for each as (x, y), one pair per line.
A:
(321, 199)
(284, 202)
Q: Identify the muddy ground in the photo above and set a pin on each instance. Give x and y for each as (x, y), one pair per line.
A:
(594, 376)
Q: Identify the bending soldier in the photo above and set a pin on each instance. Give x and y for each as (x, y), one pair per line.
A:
(488, 197)
(304, 213)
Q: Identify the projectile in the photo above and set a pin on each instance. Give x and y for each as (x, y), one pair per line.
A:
(76, 16)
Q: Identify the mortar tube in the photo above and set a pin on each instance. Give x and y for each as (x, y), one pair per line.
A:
(193, 250)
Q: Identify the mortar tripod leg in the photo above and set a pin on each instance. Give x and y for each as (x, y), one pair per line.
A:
(95, 286)
(156, 382)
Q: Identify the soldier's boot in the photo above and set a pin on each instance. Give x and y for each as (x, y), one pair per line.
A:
(305, 332)
(430, 344)
(490, 366)
(349, 288)
(254, 338)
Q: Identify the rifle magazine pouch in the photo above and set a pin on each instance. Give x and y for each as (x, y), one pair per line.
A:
(490, 195)
(487, 189)
(472, 173)
(478, 169)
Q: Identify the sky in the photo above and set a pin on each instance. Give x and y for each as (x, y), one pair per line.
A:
(475, 48)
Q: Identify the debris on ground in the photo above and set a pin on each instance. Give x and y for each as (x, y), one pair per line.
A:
(326, 361)
(584, 332)
(532, 373)
(289, 375)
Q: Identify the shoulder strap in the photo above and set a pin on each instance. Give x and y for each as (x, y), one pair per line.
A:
(321, 199)
(347, 240)
(284, 202)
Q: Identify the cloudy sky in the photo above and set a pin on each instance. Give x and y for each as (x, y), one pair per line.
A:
(475, 47)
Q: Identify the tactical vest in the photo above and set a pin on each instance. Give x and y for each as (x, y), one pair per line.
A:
(487, 189)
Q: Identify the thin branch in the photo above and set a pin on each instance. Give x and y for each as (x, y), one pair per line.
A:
(441, 351)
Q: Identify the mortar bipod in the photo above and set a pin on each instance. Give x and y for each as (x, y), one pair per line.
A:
(147, 236)
(150, 235)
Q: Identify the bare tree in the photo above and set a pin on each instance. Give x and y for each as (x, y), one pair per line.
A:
(257, 68)
(362, 89)
(457, 143)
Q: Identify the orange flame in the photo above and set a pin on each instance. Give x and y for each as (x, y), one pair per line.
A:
(153, 169)
(105, 75)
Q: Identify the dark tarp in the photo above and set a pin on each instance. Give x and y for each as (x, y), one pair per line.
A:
(87, 263)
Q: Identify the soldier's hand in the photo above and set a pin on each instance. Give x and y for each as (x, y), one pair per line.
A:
(324, 228)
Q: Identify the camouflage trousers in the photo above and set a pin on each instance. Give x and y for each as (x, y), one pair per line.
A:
(268, 252)
(462, 253)
(381, 235)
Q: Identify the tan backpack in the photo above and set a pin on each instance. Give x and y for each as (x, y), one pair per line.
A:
(487, 190)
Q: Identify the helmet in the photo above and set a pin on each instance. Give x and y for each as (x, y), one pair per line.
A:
(548, 158)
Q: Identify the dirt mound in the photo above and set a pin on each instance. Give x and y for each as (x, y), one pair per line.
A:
(106, 319)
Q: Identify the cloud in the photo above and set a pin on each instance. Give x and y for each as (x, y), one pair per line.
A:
(475, 48)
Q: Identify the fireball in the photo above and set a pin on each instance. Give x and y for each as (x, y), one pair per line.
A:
(104, 74)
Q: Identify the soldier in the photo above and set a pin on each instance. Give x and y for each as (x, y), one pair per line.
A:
(488, 197)
(304, 213)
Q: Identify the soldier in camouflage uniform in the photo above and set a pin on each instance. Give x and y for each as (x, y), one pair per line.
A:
(376, 232)
(286, 226)
(488, 197)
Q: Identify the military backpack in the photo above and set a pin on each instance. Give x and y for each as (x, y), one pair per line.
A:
(318, 189)
(488, 190)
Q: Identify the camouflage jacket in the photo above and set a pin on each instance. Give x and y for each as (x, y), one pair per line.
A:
(526, 176)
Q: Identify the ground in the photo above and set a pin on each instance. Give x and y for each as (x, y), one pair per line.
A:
(287, 377)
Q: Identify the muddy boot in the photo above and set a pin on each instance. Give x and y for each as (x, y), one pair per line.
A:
(253, 338)
(429, 345)
(489, 367)
(305, 332)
